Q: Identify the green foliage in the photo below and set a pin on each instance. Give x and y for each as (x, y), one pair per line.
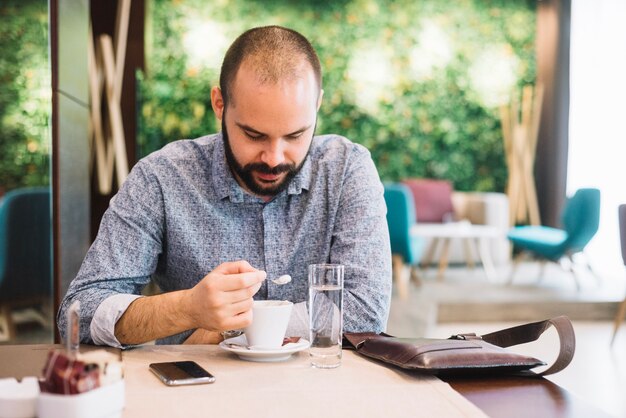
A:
(25, 103)
(412, 81)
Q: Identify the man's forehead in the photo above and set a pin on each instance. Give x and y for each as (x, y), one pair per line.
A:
(254, 73)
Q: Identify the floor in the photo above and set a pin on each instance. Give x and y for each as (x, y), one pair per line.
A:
(466, 302)
(29, 327)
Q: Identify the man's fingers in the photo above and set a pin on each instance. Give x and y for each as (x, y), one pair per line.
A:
(233, 267)
(233, 282)
(225, 296)
(241, 320)
(230, 315)
(241, 307)
(239, 295)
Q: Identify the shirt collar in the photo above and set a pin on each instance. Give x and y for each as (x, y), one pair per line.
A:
(302, 180)
(226, 185)
(223, 180)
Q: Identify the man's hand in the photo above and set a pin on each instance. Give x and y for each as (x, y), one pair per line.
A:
(222, 300)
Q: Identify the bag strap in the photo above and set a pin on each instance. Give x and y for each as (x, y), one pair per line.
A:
(354, 340)
(531, 332)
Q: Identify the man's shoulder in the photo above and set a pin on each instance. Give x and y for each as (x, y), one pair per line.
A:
(336, 149)
(184, 149)
(178, 161)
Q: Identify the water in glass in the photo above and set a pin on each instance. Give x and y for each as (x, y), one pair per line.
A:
(326, 325)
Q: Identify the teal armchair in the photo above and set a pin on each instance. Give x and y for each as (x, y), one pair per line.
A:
(406, 247)
(580, 220)
(25, 254)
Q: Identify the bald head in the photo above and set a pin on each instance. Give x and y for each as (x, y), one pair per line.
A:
(273, 53)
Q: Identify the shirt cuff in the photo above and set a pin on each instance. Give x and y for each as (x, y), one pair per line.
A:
(102, 326)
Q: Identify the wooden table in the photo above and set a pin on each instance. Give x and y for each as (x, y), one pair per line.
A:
(523, 397)
(360, 385)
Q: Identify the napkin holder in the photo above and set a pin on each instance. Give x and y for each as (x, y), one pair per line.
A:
(106, 401)
(24, 400)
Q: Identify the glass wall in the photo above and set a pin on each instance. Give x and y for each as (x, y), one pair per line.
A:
(597, 145)
(25, 193)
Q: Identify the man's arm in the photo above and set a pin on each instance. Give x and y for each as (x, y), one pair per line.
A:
(361, 243)
(221, 301)
(122, 258)
(120, 263)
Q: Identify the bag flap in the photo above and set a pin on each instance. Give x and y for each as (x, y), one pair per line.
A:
(434, 355)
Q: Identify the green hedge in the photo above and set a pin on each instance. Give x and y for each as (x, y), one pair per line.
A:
(417, 82)
(25, 90)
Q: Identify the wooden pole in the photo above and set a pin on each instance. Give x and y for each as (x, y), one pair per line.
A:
(520, 134)
(106, 79)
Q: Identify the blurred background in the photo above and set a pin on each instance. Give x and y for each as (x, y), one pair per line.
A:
(421, 84)
(508, 107)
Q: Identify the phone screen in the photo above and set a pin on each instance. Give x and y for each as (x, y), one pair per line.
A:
(181, 373)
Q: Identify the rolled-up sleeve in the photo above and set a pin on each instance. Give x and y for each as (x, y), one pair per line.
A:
(102, 326)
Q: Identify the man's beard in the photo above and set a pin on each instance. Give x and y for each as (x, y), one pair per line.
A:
(245, 173)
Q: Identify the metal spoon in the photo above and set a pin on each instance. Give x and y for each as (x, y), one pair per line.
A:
(284, 279)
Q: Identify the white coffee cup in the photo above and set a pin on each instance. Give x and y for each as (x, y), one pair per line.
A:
(269, 323)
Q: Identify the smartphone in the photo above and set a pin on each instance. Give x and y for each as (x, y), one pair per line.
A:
(177, 373)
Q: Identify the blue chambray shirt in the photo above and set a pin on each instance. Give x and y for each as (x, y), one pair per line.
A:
(181, 213)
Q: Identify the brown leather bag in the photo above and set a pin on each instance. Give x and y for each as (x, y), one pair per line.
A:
(467, 353)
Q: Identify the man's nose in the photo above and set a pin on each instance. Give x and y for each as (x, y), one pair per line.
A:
(274, 154)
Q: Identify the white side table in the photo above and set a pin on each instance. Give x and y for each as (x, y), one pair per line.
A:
(471, 234)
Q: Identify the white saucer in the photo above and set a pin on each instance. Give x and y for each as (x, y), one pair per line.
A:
(267, 355)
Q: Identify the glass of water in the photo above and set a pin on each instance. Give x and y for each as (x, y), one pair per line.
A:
(326, 314)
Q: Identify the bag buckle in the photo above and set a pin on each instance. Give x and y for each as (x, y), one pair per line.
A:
(467, 336)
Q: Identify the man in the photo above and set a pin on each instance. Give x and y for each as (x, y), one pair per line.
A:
(263, 198)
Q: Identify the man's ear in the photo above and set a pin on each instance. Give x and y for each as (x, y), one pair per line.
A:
(217, 102)
(319, 99)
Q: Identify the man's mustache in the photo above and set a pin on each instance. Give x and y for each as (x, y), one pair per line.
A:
(266, 169)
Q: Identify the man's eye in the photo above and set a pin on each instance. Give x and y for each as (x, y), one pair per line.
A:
(295, 136)
(252, 136)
